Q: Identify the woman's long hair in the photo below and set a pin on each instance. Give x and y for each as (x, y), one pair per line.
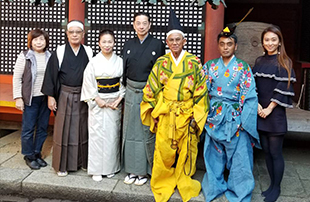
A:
(284, 61)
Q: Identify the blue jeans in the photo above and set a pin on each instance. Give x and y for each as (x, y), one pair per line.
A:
(35, 117)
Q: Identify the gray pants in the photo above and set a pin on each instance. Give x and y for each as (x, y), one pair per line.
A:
(138, 141)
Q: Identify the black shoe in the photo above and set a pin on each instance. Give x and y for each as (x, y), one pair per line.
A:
(41, 162)
(33, 164)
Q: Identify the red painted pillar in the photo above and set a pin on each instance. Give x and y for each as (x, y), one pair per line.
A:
(76, 11)
(214, 23)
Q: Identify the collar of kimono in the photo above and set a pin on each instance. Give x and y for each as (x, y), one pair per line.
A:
(177, 61)
(141, 41)
(229, 60)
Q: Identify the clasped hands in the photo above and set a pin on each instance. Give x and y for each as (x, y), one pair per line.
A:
(113, 105)
(263, 112)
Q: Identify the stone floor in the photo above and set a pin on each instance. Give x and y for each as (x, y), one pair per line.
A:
(17, 179)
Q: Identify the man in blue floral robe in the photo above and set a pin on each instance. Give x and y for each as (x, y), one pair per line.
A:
(231, 125)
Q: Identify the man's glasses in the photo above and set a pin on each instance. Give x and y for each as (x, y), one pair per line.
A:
(75, 32)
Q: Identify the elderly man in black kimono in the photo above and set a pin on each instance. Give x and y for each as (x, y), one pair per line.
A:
(139, 55)
(62, 83)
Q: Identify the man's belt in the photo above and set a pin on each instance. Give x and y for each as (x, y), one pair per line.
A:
(108, 85)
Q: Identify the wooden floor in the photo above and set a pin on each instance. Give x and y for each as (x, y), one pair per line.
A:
(8, 112)
(6, 95)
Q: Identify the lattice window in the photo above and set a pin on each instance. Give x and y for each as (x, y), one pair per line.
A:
(17, 19)
(119, 16)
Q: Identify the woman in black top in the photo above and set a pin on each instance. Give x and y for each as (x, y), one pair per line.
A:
(274, 77)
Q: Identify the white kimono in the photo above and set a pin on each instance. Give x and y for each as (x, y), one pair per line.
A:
(103, 123)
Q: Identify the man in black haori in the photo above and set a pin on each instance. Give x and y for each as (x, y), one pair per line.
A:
(62, 83)
(139, 56)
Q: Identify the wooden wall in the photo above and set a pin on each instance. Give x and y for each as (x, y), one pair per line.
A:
(284, 13)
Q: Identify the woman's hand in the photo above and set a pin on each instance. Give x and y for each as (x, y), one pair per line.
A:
(265, 112)
(19, 104)
(100, 102)
(52, 104)
(114, 104)
(259, 108)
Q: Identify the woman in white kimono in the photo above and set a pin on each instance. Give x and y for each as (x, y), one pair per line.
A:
(103, 91)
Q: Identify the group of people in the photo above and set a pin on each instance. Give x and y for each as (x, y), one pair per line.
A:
(171, 102)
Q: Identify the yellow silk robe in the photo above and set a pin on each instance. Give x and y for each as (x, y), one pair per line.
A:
(174, 95)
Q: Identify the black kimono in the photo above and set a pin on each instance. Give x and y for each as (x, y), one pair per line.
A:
(138, 141)
(63, 82)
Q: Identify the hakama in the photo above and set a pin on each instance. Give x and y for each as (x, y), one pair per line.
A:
(138, 141)
(70, 151)
(63, 80)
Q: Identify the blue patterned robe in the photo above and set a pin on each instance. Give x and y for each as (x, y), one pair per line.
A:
(231, 123)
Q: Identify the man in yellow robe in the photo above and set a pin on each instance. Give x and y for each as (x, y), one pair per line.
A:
(175, 105)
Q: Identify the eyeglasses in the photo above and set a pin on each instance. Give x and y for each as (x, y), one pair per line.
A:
(75, 32)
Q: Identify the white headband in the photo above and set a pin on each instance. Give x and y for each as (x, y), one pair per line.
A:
(175, 31)
(75, 24)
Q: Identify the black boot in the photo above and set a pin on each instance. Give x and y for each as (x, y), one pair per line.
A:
(32, 163)
(40, 161)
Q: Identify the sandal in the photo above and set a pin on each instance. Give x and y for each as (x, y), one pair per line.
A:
(141, 180)
(110, 175)
(97, 178)
(130, 178)
(62, 173)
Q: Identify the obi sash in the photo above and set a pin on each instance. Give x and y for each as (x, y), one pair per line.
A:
(106, 85)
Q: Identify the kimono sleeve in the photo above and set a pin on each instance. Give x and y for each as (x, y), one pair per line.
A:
(89, 86)
(284, 92)
(51, 84)
(201, 98)
(249, 102)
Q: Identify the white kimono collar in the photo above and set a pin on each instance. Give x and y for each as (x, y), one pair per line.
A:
(112, 58)
(77, 52)
(177, 61)
(229, 60)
